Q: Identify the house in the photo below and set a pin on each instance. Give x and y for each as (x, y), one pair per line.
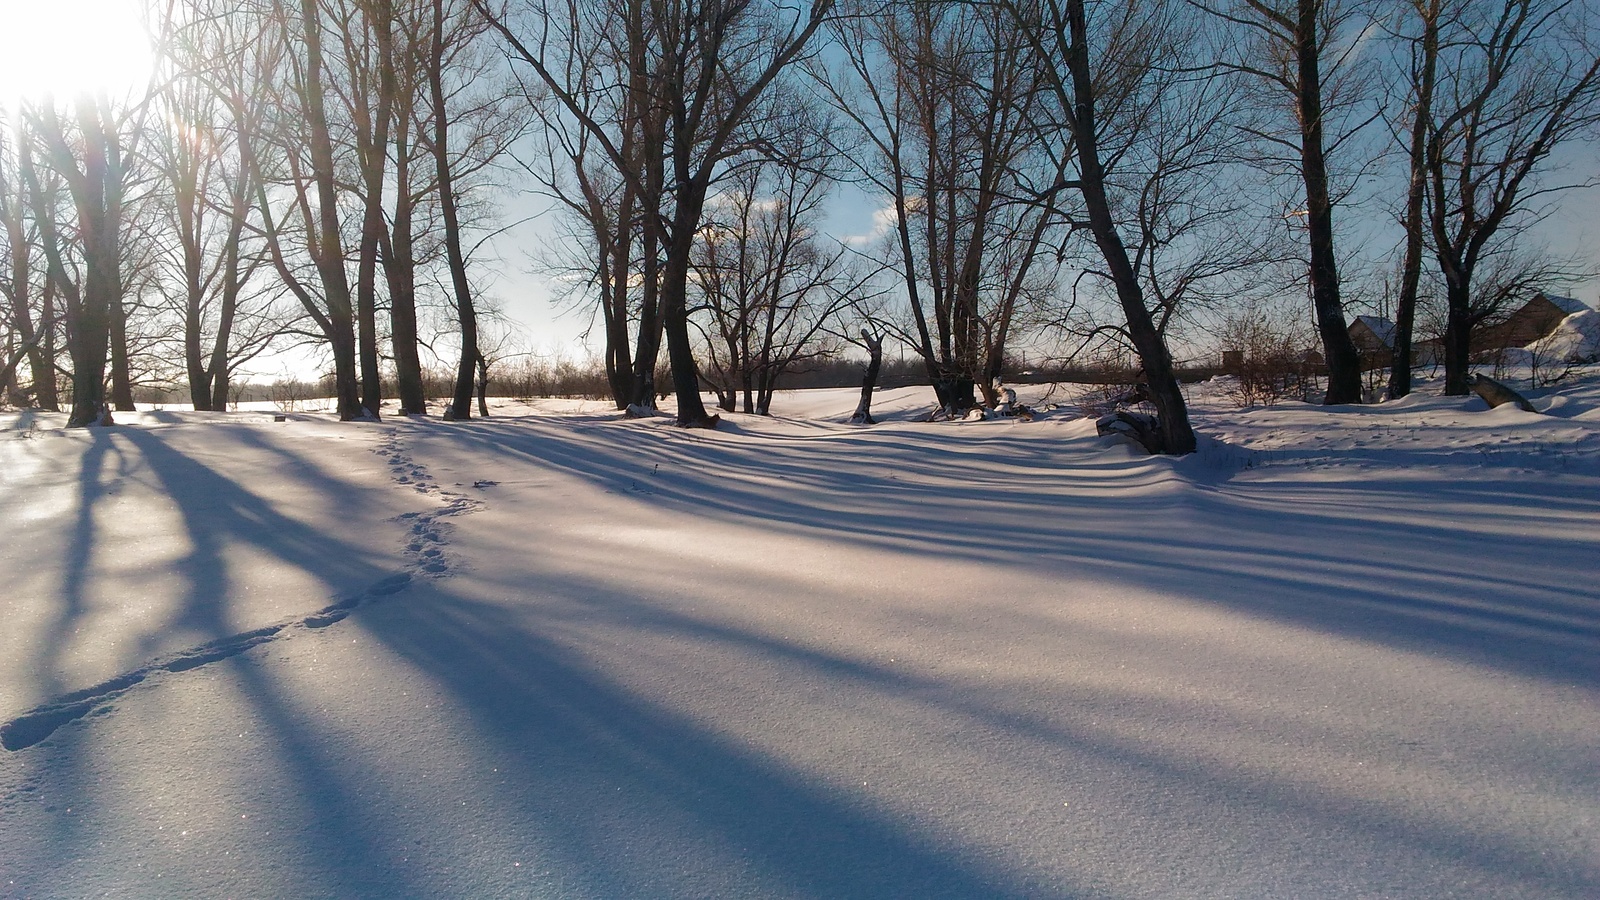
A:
(1530, 322)
(1374, 340)
(1428, 352)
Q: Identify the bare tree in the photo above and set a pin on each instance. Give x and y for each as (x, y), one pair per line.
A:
(87, 155)
(770, 285)
(399, 246)
(1302, 51)
(1149, 129)
(310, 180)
(1422, 59)
(714, 62)
(873, 342)
(613, 200)
(1515, 80)
(446, 52)
(201, 145)
(366, 85)
(30, 313)
(947, 100)
(439, 145)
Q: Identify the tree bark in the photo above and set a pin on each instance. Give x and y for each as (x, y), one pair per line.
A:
(328, 248)
(399, 267)
(461, 404)
(1177, 436)
(483, 386)
(89, 307)
(372, 139)
(1405, 314)
(869, 380)
(233, 279)
(30, 336)
(1344, 364)
(675, 311)
(1457, 338)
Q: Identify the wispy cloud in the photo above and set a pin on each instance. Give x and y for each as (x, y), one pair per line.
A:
(883, 220)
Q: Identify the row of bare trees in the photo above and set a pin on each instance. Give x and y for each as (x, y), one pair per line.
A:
(1111, 171)
(1494, 89)
(295, 171)
(1115, 170)
(649, 108)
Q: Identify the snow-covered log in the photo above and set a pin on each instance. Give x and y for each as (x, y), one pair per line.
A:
(1143, 428)
(1494, 393)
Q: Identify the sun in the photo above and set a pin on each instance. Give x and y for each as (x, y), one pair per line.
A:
(63, 48)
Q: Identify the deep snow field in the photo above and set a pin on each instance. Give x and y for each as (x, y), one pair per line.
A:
(1346, 652)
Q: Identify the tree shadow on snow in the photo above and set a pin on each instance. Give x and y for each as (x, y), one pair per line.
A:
(1420, 580)
(635, 799)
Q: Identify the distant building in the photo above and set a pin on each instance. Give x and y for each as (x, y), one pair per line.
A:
(1530, 322)
(1428, 353)
(1374, 340)
(1527, 323)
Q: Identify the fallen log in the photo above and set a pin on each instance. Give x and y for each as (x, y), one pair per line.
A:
(1143, 428)
(1496, 394)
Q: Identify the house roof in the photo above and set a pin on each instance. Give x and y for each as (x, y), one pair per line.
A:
(1381, 328)
(1567, 305)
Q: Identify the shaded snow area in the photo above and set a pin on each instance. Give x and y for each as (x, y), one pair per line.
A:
(1345, 652)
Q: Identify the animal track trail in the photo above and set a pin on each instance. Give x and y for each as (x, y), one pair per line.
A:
(425, 554)
(428, 538)
(42, 721)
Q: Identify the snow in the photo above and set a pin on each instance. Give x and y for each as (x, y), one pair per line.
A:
(562, 653)
(1575, 339)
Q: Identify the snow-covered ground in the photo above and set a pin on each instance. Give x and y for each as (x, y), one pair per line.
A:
(1336, 653)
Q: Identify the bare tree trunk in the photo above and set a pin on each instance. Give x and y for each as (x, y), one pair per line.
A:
(1425, 61)
(98, 118)
(328, 250)
(461, 404)
(49, 318)
(400, 273)
(13, 201)
(648, 350)
(869, 380)
(1457, 337)
(96, 197)
(233, 278)
(189, 212)
(675, 309)
(1177, 436)
(219, 373)
(614, 270)
(121, 379)
(1344, 365)
(398, 249)
(87, 328)
(483, 386)
(372, 139)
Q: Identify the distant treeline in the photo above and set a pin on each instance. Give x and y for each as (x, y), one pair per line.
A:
(531, 378)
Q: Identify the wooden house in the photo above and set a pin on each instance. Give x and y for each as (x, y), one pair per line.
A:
(1374, 340)
(1528, 323)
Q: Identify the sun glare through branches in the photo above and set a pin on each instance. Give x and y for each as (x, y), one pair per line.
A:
(65, 47)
